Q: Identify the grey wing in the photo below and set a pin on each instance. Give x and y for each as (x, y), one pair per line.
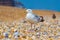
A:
(37, 18)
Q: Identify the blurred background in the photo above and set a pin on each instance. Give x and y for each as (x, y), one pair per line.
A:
(53, 5)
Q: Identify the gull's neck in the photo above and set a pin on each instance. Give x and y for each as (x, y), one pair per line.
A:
(29, 12)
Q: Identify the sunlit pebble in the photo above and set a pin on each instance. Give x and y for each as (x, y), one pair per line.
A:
(27, 24)
(38, 33)
(0, 30)
(5, 33)
(58, 27)
(31, 30)
(33, 37)
(58, 22)
(45, 33)
(58, 36)
(51, 26)
(37, 29)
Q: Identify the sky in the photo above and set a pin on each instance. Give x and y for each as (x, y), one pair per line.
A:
(42, 4)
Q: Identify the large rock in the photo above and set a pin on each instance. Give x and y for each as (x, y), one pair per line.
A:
(7, 2)
(11, 3)
(18, 4)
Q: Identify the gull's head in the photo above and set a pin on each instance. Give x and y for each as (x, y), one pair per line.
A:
(29, 11)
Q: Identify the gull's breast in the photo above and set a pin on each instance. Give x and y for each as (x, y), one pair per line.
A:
(32, 18)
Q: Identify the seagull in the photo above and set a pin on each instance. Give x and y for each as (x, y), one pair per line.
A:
(32, 18)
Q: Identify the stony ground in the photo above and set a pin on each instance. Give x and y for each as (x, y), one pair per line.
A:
(13, 24)
(47, 30)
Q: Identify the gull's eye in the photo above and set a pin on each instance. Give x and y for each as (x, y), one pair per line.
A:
(29, 10)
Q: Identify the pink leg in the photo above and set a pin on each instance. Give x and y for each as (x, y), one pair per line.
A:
(32, 25)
